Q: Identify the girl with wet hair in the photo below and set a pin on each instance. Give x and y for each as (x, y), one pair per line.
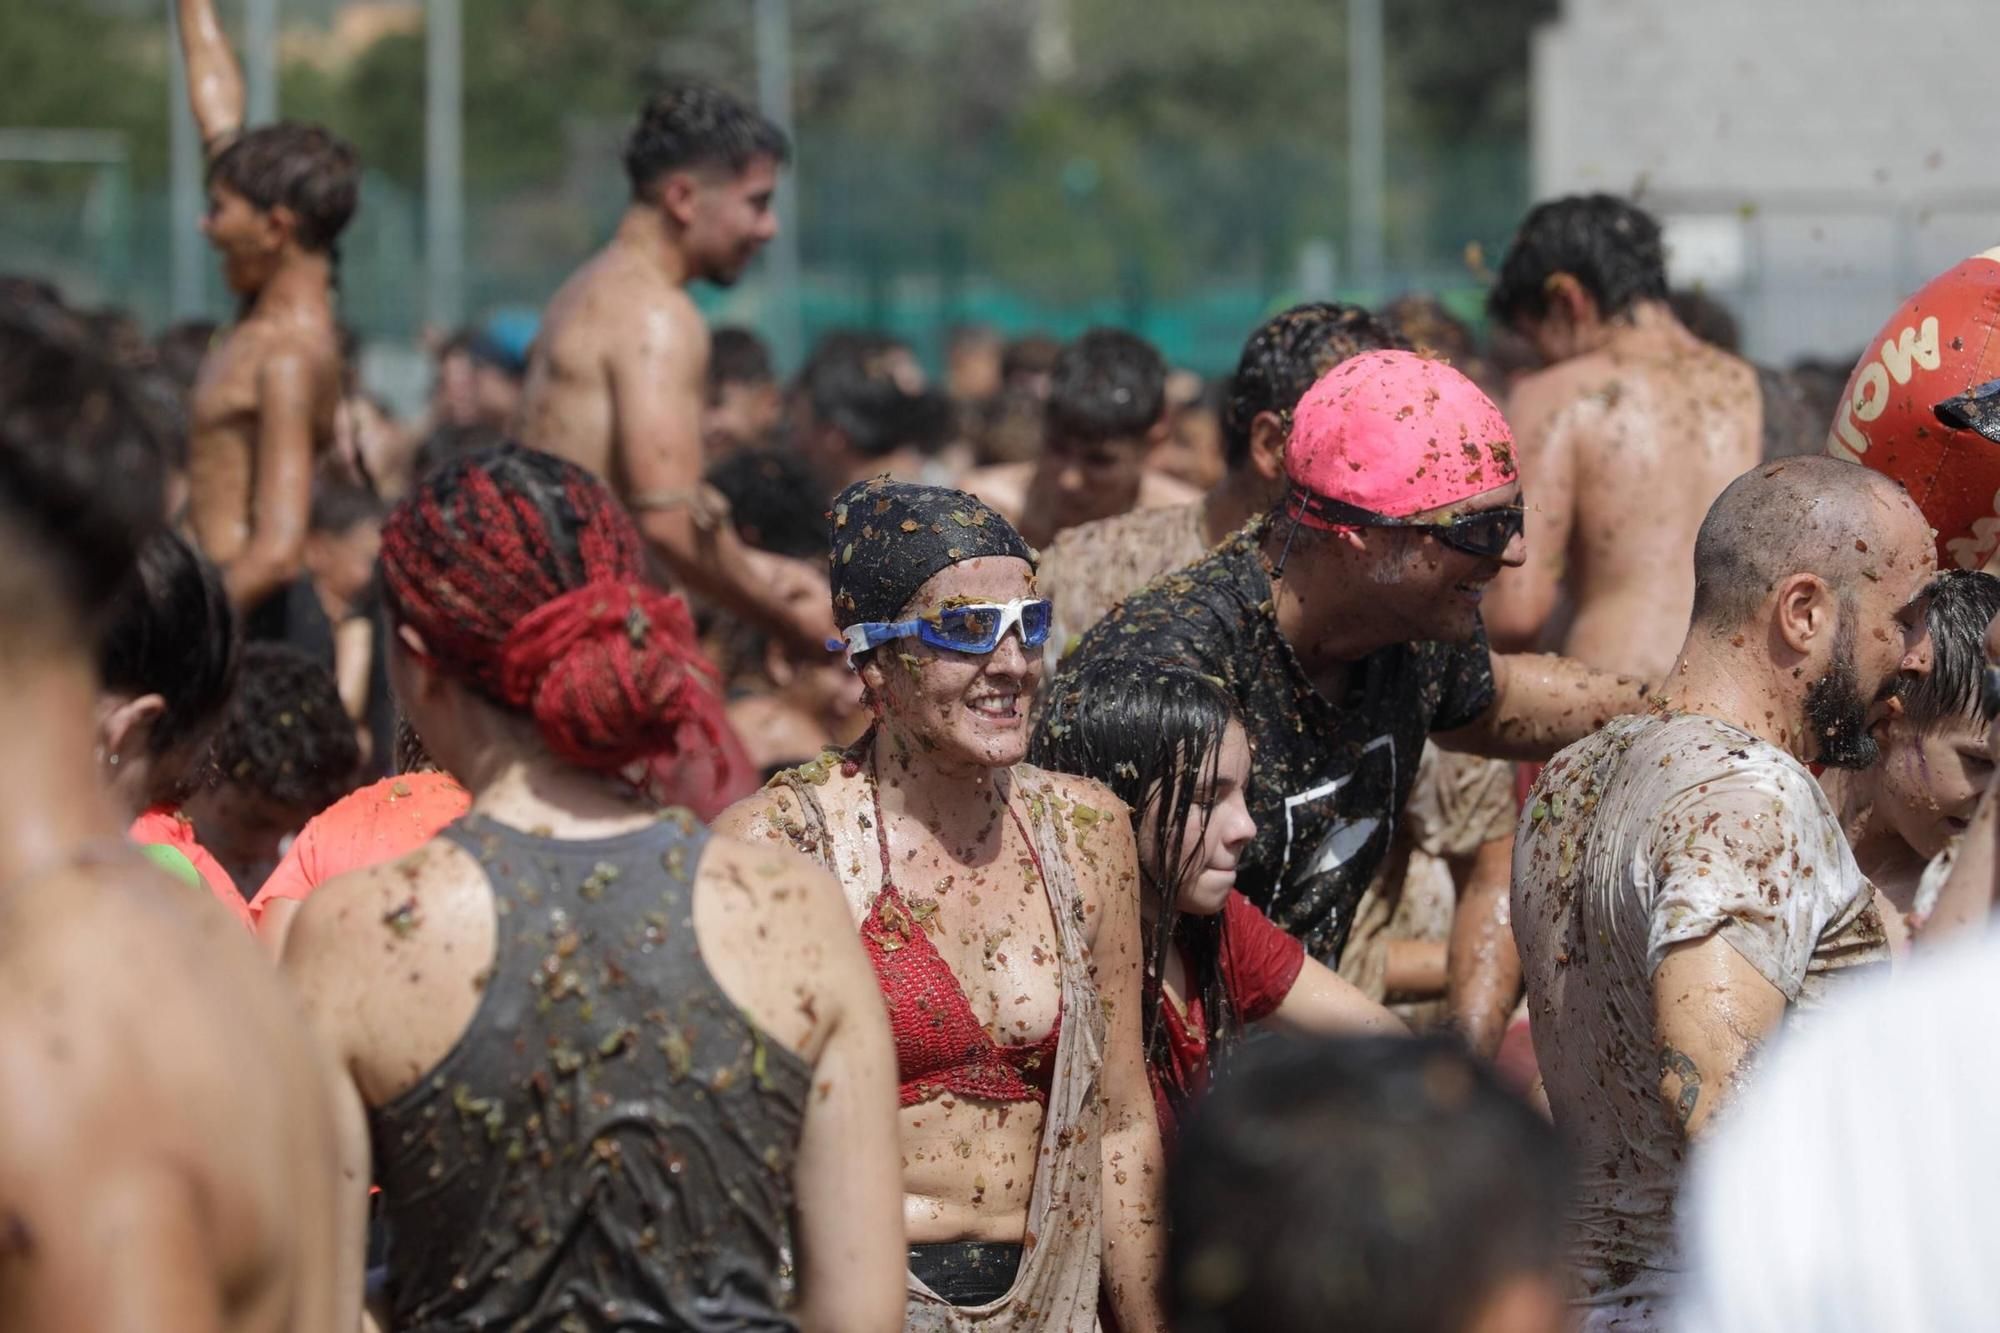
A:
(614, 1071)
(999, 906)
(1166, 739)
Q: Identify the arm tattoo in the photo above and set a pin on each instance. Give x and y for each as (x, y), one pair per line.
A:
(1679, 1065)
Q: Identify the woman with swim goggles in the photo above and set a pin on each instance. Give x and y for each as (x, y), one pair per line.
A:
(999, 905)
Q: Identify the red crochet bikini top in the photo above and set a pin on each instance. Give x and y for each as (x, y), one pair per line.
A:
(941, 1046)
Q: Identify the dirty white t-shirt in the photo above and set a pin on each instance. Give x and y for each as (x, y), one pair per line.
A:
(1653, 832)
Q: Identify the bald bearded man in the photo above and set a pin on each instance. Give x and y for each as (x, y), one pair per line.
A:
(1681, 882)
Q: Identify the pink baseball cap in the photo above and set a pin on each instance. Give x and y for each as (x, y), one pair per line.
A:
(1397, 434)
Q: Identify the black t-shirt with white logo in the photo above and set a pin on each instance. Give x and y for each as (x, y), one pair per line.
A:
(1328, 779)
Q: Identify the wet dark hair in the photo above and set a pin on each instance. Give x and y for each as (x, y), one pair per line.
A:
(81, 451)
(527, 581)
(694, 125)
(849, 383)
(775, 501)
(285, 735)
(303, 168)
(886, 539)
(1962, 603)
(339, 506)
(1609, 245)
(1377, 1183)
(737, 356)
(1107, 385)
(172, 633)
(1287, 354)
(1152, 731)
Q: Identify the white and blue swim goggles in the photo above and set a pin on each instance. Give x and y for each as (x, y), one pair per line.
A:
(975, 628)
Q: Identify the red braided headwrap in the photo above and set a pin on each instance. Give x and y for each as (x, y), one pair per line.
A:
(524, 577)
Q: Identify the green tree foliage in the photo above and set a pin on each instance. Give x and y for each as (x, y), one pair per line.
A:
(66, 65)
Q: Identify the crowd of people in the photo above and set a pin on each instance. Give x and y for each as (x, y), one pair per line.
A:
(653, 844)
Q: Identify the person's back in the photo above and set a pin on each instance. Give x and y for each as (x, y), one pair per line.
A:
(1648, 431)
(1625, 440)
(158, 1079)
(168, 1154)
(610, 1137)
(611, 1067)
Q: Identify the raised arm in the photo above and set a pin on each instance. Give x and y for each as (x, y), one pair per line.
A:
(215, 84)
(1542, 703)
(657, 385)
(281, 505)
(1134, 1176)
(1711, 1010)
(1520, 601)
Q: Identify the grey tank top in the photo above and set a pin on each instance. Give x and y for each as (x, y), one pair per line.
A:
(610, 1143)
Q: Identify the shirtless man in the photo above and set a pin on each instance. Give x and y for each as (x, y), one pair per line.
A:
(1681, 882)
(1626, 438)
(1106, 413)
(618, 379)
(264, 403)
(168, 1155)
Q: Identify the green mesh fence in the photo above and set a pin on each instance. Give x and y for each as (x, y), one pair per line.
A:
(1189, 253)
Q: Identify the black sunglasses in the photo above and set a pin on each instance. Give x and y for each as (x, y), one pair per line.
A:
(1485, 532)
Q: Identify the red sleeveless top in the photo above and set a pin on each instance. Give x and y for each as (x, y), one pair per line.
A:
(941, 1046)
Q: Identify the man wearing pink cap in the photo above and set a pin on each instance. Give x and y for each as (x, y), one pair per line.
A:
(1347, 626)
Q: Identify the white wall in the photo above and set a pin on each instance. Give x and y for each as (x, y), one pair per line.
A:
(1830, 155)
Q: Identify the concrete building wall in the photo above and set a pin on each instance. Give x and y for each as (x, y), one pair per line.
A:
(1814, 160)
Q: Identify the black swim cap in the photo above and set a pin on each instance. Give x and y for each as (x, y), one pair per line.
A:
(889, 537)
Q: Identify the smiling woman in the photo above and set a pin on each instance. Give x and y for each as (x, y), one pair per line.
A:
(999, 905)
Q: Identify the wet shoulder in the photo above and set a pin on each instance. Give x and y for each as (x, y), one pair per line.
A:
(379, 917)
(1691, 756)
(610, 300)
(765, 918)
(775, 814)
(1084, 815)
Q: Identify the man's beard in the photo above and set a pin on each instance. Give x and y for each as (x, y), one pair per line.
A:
(1837, 712)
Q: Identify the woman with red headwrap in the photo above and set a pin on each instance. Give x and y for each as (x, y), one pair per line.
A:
(999, 905)
(615, 1072)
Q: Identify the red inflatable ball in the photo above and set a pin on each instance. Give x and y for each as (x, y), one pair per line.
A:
(1923, 406)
